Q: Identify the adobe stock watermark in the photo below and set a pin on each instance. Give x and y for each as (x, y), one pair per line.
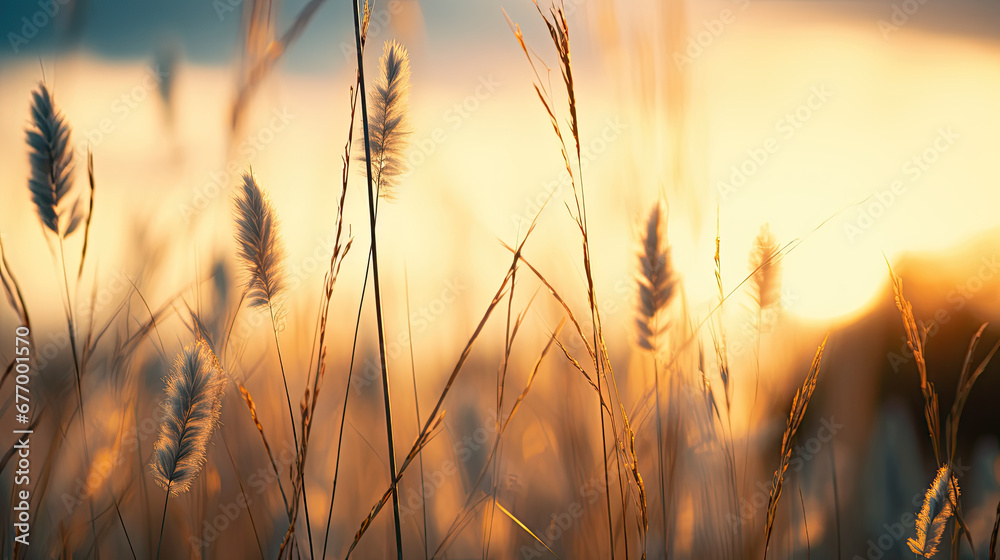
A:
(897, 531)
(259, 481)
(899, 16)
(454, 117)
(619, 300)
(379, 21)
(121, 108)
(702, 37)
(751, 325)
(786, 127)
(420, 321)
(295, 275)
(589, 152)
(219, 180)
(225, 7)
(57, 340)
(464, 449)
(912, 171)
(31, 26)
(102, 469)
(562, 522)
(802, 454)
(957, 298)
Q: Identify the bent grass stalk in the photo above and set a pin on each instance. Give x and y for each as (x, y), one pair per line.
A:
(916, 338)
(799, 405)
(436, 415)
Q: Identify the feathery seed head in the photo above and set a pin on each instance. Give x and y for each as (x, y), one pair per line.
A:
(656, 278)
(387, 122)
(934, 514)
(765, 281)
(51, 157)
(192, 405)
(260, 247)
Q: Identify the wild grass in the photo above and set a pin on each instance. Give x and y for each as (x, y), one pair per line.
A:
(261, 250)
(799, 405)
(916, 338)
(764, 283)
(259, 245)
(51, 165)
(373, 197)
(345, 179)
(387, 122)
(558, 29)
(50, 184)
(191, 410)
(191, 414)
(657, 282)
(934, 514)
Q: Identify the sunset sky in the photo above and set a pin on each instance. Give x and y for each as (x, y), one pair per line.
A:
(832, 102)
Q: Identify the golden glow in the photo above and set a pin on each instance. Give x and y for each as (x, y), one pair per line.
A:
(815, 136)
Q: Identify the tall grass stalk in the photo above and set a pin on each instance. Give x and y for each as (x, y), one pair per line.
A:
(375, 279)
(558, 29)
(416, 406)
(436, 415)
(722, 356)
(50, 183)
(262, 254)
(916, 338)
(800, 404)
(345, 177)
(656, 289)
(765, 290)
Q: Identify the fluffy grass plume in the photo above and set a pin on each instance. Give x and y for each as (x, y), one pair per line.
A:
(387, 121)
(934, 514)
(656, 279)
(656, 282)
(260, 247)
(765, 279)
(192, 405)
(51, 157)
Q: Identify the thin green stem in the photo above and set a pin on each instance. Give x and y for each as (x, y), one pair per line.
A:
(659, 447)
(416, 405)
(79, 383)
(295, 436)
(163, 520)
(343, 415)
(347, 394)
(375, 280)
